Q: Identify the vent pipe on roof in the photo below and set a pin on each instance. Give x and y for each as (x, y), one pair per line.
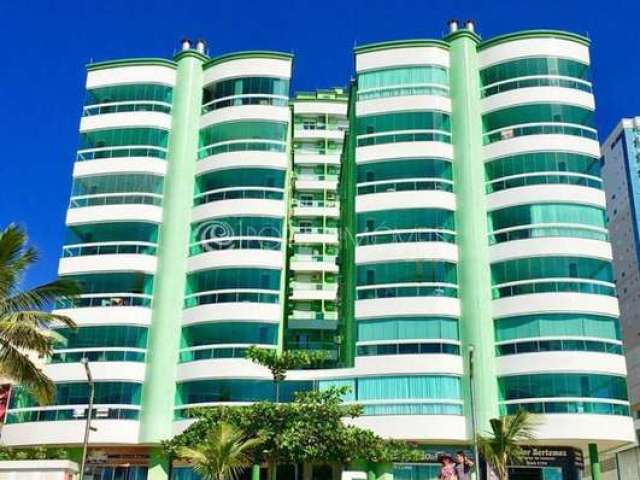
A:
(453, 25)
(201, 45)
(185, 44)
(470, 25)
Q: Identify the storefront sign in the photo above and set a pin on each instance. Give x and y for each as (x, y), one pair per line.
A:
(552, 457)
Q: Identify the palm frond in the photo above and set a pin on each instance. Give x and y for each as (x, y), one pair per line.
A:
(17, 366)
(40, 297)
(26, 336)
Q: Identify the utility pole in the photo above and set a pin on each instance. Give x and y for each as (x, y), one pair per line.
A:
(87, 428)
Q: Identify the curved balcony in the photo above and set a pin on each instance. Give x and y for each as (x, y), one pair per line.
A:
(436, 428)
(406, 306)
(541, 246)
(542, 142)
(129, 114)
(556, 302)
(256, 111)
(237, 295)
(131, 165)
(404, 150)
(114, 213)
(108, 257)
(578, 94)
(411, 235)
(239, 207)
(408, 98)
(257, 159)
(218, 351)
(405, 184)
(543, 178)
(405, 251)
(238, 193)
(115, 425)
(547, 194)
(91, 300)
(125, 371)
(402, 200)
(232, 257)
(262, 99)
(562, 361)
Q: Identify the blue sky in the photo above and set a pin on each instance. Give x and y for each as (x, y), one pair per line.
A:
(47, 43)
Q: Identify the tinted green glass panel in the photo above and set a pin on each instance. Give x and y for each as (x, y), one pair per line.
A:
(403, 76)
(547, 213)
(229, 332)
(543, 162)
(129, 93)
(550, 385)
(201, 391)
(525, 67)
(224, 227)
(390, 122)
(407, 328)
(599, 408)
(557, 325)
(405, 387)
(229, 131)
(74, 393)
(118, 137)
(233, 278)
(401, 168)
(245, 86)
(112, 232)
(240, 177)
(400, 272)
(537, 113)
(125, 183)
(114, 282)
(106, 336)
(551, 267)
(405, 219)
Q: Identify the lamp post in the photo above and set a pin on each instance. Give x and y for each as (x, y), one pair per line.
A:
(87, 428)
(474, 424)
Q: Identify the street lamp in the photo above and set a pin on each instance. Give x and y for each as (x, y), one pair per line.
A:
(87, 428)
(474, 422)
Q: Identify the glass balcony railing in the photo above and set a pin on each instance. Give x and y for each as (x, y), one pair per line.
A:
(121, 152)
(109, 248)
(212, 352)
(540, 129)
(104, 199)
(49, 414)
(556, 285)
(112, 354)
(407, 290)
(522, 232)
(232, 296)
(306, 315)
(239, 193)
(316, 203)
(125, 107)
(235, 243)
(246, 99)
(406, 236)
(106, 300)
(544, 178)
(405, 185)
(315, 230)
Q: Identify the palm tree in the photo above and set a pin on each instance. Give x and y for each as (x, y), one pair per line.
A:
(502, 448)
(24, 326)
(223, 455)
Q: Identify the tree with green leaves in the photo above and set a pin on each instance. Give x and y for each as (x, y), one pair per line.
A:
(222, 455)
(503, 446)
(279, 363)
(311, 429)
(24, 323)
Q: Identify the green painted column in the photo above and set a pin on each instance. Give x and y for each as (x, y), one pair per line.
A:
(158, 465)
(255, 472)
(162, 351)
(474, 273)
(594, 461)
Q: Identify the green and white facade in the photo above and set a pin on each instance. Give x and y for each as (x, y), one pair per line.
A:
(449, 198)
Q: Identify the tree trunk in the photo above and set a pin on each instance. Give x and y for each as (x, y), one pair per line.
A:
(277, 391)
